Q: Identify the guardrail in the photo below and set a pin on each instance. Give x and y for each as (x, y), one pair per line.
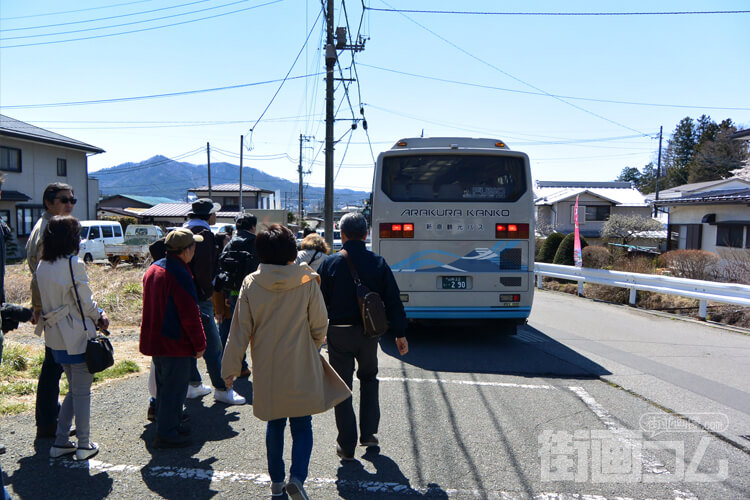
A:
(728, 293)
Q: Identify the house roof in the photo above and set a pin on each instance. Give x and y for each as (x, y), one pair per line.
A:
(719, 196)
(10, 195)
(619, 193)
(230, 188)
(704, 187)
(177, 210)
(10, 127)
(742, 135)
(146, 200)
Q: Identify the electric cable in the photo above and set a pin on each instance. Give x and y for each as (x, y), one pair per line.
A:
(73, 11)
(485, 13)
(142, 29)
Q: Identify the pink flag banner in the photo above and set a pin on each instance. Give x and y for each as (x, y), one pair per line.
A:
(577, 256)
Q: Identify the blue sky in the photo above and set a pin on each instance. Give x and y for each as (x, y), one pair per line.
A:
(445, 74)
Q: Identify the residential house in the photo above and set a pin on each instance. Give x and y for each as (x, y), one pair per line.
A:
(228, 195)
(31, 158)
(555, 202)
(129, 205)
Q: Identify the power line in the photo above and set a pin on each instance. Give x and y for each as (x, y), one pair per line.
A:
(102, 19)
(73, 11)
(528, 92)
(486, 13)
(142, 167)
(142, 29)
(509, 75)
(154, 96)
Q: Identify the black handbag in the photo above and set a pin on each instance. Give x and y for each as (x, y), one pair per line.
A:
(100, 354)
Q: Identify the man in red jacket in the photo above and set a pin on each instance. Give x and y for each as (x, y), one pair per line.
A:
(172, 333)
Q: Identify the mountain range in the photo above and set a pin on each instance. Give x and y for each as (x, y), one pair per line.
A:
(161, 176)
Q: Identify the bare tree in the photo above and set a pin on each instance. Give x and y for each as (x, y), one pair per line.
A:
(627, 227)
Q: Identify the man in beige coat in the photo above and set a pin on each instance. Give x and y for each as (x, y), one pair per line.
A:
(280, 313)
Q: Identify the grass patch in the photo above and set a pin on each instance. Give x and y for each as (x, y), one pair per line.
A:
(18, 388)
(118, 370)
(12, 408)
(133, 288)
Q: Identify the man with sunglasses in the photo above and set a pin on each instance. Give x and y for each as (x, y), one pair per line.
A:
(58, 199)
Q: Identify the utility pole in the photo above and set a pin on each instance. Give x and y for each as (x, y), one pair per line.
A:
(658, 173)
(330, 63)
(208, 155)
(302, 138)
(242, 143)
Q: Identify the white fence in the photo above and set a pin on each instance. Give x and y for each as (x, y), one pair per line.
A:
(704, 291)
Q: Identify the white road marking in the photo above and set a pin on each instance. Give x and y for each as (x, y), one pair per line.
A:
(386, 489)
(466, 382)
(623, 435)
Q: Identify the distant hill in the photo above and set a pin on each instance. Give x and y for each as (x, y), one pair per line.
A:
(161, 176)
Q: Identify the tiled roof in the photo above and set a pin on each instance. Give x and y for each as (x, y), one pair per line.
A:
(230, 188)
(177, 210)
(741, 196)
(10, 127)
(619, 193)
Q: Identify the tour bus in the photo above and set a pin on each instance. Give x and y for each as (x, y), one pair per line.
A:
(453, 217)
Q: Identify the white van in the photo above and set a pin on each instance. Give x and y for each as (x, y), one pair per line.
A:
(94, 234)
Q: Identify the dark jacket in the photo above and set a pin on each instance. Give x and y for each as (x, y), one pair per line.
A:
(205, 262)
(243, 241)
(339, 291)
(171, 323)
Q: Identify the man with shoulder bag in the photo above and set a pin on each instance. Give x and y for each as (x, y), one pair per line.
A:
(348, 280)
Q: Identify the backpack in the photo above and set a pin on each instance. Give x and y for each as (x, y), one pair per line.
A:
(371, 306)
(234, 265)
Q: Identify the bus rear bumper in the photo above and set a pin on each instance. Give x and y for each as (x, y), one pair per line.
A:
(467, 312)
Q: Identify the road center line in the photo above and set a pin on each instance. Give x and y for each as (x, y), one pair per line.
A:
(466, 382)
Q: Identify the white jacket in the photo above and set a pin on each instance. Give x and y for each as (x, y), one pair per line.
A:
(307, 255)
(61, 318)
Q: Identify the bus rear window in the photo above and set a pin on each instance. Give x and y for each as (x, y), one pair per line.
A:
(454, 178)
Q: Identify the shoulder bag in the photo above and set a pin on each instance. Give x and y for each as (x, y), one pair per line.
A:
(371, 305)
(100, 354)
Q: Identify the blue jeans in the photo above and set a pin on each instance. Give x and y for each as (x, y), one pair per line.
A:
(226, 324)
(172, 376)
(214, 349)
(48, 391)
(302, 444)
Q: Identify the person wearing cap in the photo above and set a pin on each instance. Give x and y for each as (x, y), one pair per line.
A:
(172, 333)
(204, 268)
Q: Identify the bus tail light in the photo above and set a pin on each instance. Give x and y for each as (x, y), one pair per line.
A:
(510, 298)
(396, 230)
(512, 231)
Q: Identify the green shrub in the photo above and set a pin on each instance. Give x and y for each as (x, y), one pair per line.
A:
(549, 247)
(564, 254)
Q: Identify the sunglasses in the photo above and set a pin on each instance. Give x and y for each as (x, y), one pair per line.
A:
(64, 199)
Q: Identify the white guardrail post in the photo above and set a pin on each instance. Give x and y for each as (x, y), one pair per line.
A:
(704, 291)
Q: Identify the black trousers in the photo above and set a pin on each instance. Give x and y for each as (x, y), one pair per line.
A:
(48, 391)
(345, 345)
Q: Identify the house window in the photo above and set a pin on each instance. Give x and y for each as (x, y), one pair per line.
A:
(231, 203)
(26, 217)
(10, 159)
(62, 167)
(597, 213)
(693, 236)
(729, 235)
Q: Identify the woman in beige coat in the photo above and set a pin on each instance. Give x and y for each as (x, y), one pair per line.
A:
(280, 312)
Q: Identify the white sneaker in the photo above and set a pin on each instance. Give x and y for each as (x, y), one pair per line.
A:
(197, 391)
(229, 397)
(86, 453)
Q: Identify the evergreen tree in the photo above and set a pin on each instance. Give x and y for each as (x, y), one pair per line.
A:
(717, 155)
(629, 174)
(647, 182)
(679, 153)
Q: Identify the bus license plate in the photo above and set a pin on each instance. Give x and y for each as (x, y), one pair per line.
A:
(454, 282)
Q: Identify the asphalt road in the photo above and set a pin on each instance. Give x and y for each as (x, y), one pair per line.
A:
(577, 405)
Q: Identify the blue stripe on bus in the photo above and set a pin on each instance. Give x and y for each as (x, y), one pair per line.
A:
(487, 261)
(466, 312)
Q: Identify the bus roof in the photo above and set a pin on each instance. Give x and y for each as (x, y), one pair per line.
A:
(449, 143)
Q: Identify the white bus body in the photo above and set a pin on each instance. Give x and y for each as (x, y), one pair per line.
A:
(454, 219)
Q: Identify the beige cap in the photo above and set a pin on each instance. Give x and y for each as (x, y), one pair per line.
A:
(181, 238)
